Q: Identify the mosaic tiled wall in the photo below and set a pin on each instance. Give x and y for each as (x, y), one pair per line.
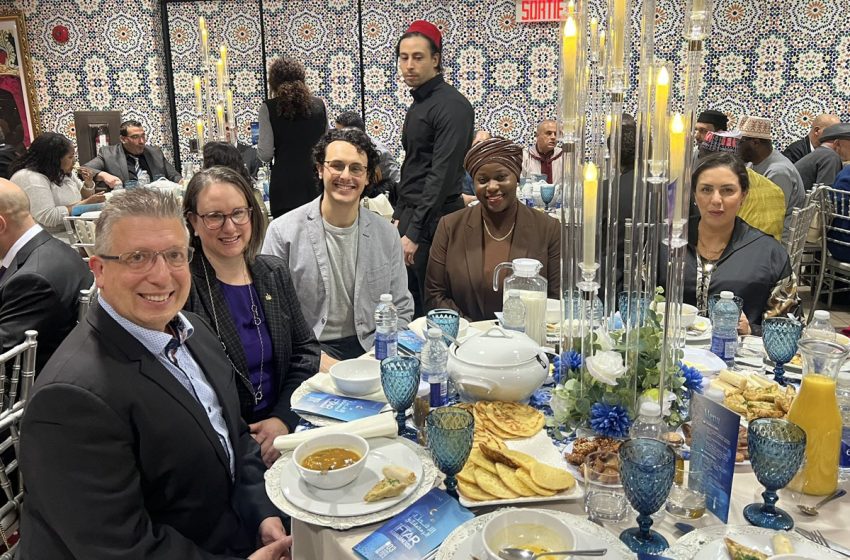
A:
(789, 60)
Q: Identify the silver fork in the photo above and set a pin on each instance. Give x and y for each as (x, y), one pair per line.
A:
(817, 537)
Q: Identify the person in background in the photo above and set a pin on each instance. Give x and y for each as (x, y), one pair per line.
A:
(756, 147)
(437, 132)
(119, 164)
(725, 253)
(764, 206)
(40, 278)
(470, 243)
(821, 165)
(291, 123)
(709, 120)
(341, 256)
(838, 243)
(45, 173)
(8, 154)
(807, 144)
(226, 155)
(250, 302)
(544, 157)
(468, 189)
(390, 172)
(132, 443)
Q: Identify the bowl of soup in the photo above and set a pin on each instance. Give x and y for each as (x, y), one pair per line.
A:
(531, 529)
(688, 312)
(331, 461)
(358, 377)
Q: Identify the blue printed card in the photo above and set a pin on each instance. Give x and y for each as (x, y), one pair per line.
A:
(345, 409)
(714, 442)
(416, 531)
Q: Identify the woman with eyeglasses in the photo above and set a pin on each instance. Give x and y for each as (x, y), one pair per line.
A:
(291, 123)
(342, 257)
(250, 302)
(45, 173)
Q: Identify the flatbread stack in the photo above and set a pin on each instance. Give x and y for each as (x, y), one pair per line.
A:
(496, 474)
(498, 421)
(754, 396)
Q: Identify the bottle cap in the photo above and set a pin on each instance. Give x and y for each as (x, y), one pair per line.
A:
(434, 332)
(726, 294)
(822, 315)
(386, 297)
(649, 408)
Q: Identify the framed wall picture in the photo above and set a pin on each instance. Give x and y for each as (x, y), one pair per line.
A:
(95, 130)
(18, 109)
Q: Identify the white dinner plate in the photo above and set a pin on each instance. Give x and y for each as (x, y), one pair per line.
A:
(466, 542)
(707, 363)
(540, 447)
(699, 332)
(707, 543)
(348, 500)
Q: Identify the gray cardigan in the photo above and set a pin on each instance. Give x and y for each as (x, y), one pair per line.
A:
(298, 237)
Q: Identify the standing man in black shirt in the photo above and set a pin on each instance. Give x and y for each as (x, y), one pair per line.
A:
(437, 133)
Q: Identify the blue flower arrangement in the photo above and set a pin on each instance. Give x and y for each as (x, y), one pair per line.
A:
(610, 420)
(567, 365)
(693, 378)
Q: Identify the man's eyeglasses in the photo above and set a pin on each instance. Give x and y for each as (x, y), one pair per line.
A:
(215, 220)
(136, 137)
(338, 167)
(142, 261)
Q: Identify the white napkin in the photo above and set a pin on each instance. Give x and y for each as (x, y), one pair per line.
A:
(323, 383)
(380, 425)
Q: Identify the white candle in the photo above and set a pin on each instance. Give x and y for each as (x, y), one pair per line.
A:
(199, 103)
(219, 75)
(618, 34)
(659, 128)
(677, 163)
(569, 53)
(591, 187)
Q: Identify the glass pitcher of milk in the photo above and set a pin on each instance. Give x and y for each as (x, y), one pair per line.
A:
(532, 290)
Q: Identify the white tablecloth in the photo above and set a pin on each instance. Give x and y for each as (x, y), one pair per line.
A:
(313, 543)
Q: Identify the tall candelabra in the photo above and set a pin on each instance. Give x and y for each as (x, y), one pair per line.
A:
(214, 115)
(661, 188)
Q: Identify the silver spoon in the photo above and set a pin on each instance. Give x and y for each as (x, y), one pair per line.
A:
(523, 554)
(809, 510)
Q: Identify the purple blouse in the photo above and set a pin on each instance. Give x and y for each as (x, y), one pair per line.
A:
(238, 300)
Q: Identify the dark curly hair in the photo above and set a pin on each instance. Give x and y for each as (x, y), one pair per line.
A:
(286, 82)
(223, 153)
(357, 138)
(220, 174)
(722, 159)
(45, 156)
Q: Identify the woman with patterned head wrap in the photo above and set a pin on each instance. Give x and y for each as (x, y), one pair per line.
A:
(470, 243)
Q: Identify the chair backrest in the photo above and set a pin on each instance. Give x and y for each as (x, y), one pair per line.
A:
(88, 299)
(801, 219)
(837, 216)
(81, 231)
(11, 478)
(17, 373)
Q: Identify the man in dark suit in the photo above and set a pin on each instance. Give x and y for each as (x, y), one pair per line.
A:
(806, 145)
(40, 278)
(122, 162)
(132, 442)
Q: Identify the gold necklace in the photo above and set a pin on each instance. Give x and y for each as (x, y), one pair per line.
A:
(494, 238)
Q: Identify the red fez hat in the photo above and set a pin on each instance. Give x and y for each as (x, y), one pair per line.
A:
(428, 29)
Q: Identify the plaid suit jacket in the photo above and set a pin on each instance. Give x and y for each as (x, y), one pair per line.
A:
(296, 350)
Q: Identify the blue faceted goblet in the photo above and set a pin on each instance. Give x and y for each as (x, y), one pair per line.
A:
(448, 320)
(780, 335)
(647, 468)
(400, 380)
(547, 193)
(776, 450)
(449, 430)
(633, 307)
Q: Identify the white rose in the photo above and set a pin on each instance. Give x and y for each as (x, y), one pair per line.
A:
(606, 367)
(604, 340)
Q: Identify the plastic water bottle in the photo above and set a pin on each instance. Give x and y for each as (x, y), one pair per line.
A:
(513, 312)
(386, 328)
(724, 328)
(820, 327)
(263, 182)
(435, 357)
(143, 178)
(842, 393)
(649, 423)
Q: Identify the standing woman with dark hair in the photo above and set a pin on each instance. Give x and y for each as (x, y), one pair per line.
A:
(249, 301)
(44, 172)
(291, 123)
(227, 155)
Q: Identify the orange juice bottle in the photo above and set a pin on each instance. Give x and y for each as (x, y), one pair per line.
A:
(816, 411)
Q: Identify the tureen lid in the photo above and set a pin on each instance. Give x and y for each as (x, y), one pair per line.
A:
(497, 347)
